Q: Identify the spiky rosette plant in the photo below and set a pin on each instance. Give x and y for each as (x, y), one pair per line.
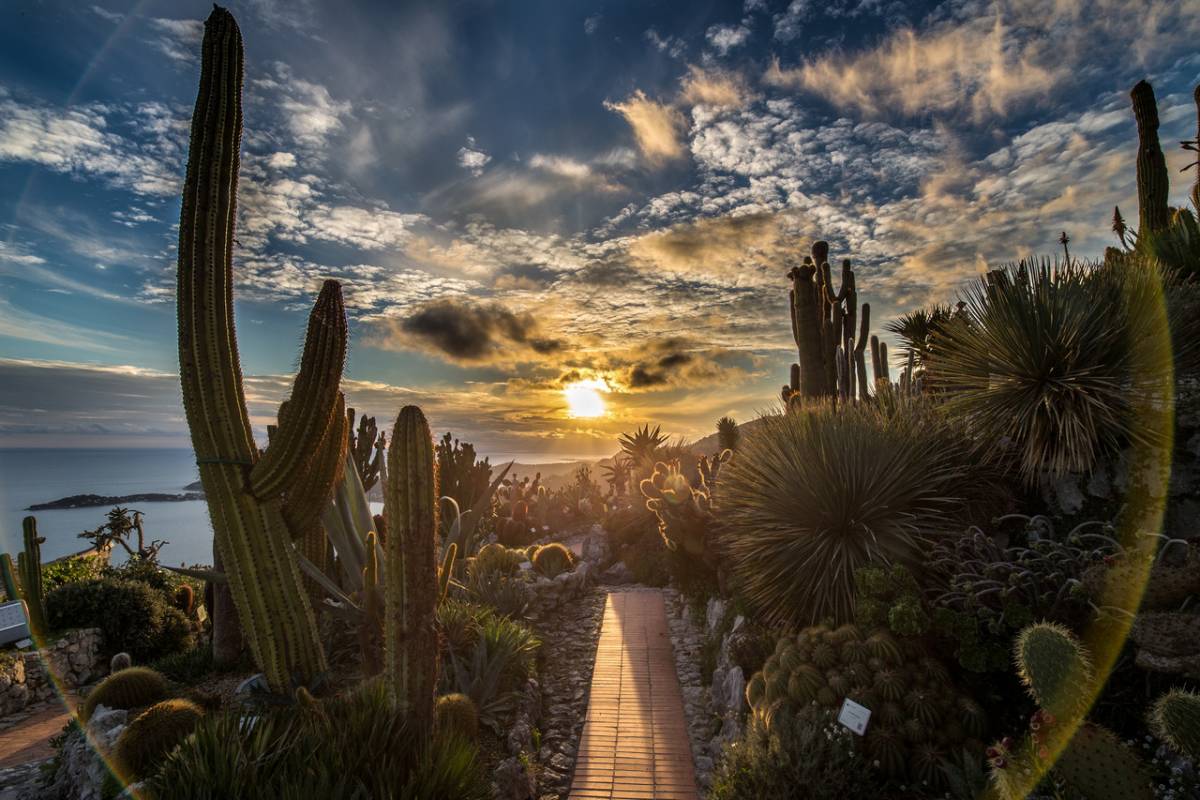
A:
(1044, 363)
(247, 492)
(411, 552)
(918, 716)
(727, 433)
(813, 496)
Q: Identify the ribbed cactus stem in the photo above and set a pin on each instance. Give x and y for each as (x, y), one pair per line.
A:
(8, 577)
(1153, 183)
(250, 533)
(312, 400)
(29, 566)
(1196, 149)
(410, 559)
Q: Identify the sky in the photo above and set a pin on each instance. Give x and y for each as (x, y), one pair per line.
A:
(521, 196)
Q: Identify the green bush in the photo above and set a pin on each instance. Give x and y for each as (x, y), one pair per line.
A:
(647, 560)
(346, 748)
(807, 756)
(187, 666)
(132, 616)
(820, 492)
(70, 570)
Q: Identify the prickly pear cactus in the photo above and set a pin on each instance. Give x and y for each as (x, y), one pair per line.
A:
(1175, 719)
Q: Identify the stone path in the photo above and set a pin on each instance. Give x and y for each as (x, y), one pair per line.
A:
(28, 737)
(635, 740)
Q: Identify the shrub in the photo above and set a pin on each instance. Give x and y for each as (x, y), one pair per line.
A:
(348, 747)
(553, 559)
(133, 616)
(187, 666)
(1048, 362)
(494, 669)
(129, 688)
(818, 493)
(647, 560)
(456, 713)
(70, 570)
(810, 756)
(153, 734)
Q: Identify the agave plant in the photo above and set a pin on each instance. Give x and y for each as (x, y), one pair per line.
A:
(1047, 362)
(727, 433)
(642, 446)
(813, 496)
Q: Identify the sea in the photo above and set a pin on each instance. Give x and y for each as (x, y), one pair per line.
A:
(29, 476)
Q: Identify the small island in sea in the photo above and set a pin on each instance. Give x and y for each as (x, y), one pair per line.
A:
(94, 500)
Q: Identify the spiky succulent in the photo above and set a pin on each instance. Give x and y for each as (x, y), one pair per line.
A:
(642, 446)
(813, 496)
(727, 433)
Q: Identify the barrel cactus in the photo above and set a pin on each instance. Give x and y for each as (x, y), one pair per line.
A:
(553, 559)
(129, 688)
(153, 735)
(917, 715)
(456, 713)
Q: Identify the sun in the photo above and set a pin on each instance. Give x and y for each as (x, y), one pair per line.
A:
(584, 399)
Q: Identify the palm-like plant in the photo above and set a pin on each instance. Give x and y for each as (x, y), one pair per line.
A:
(727, 433)
(642, 446)
(1048, 361)
(917, 329)
(813, 496)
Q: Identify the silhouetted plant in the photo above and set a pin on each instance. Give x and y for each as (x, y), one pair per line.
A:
(813, 496)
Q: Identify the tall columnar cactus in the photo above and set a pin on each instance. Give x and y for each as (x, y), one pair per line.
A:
(831, 350)
(411, 568)
(367, 446)
(1153, 183)
(29, 567)
(8, 577)
(247, 493)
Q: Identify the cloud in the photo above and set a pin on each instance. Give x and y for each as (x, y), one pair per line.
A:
(656, 126)
(726, 248)
(472, 159)
(671, 45)
(281, 161)
(27, 326)
(78, 142)
(724, 38)
(592, 24)
(715, 88)
(467, 332)
(310, 113)
(180, 38)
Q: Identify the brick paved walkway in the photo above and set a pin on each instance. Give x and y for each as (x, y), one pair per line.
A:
(29, 739)
(635, 741)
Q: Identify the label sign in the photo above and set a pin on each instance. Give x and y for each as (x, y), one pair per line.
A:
(854, 716)
(14, 622)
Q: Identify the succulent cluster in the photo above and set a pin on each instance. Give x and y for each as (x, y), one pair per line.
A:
(918, 718)
(981, 594)
(524, 507)
(367, 446)
(889, 598)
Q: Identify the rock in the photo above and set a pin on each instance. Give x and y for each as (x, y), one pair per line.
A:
(513, 781)
(618, 574)
(81, 768)
(714, 615)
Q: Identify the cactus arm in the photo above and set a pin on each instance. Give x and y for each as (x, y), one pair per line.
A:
(250, 534)
(8, 575)
(410, 507)
(314, 398)
(446, 571)
(313, 490)
(29, 564)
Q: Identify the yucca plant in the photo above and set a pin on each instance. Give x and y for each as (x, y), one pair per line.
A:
(642, 446)
(813, 496)
(727, 433)
(492, 671)
(1047, 362)
(917, 329)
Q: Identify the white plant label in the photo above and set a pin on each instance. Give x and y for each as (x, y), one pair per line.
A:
(854, 716)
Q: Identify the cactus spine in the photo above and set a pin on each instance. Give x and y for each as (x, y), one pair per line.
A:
(1152, 179)
(29, 567)
(1175, 718)
(246, 492)
(411, 568)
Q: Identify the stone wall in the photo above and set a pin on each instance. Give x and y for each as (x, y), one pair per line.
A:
(74, 660)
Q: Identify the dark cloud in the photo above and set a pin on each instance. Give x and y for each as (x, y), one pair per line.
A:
(608, 273)
(470, 332)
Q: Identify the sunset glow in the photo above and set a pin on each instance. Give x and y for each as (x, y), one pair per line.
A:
(584, 399)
